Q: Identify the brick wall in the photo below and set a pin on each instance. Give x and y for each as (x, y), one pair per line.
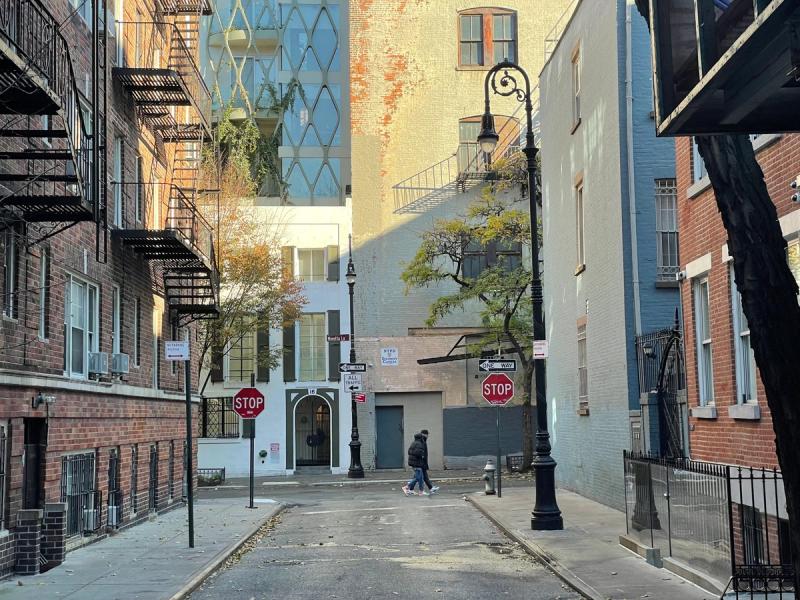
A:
(725, 439)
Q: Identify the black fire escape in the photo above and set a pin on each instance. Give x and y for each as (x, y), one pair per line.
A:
(160, 73)
(53, 135)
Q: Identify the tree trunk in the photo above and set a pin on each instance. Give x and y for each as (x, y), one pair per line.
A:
(527, 418)
(769, 297)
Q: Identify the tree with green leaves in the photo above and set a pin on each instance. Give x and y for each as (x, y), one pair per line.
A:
(497, 224)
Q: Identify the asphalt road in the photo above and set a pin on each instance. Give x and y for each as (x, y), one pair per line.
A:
(373, 542)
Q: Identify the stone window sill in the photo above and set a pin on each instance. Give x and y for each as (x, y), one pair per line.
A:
(704, 412)
(580, 269)
(745, 412)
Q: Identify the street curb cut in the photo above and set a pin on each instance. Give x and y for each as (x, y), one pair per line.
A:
(550, 563)
(198, 579)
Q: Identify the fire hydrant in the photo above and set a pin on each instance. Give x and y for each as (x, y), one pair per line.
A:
(488, 477)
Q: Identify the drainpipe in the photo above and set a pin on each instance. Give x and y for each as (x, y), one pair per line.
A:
(637, 309)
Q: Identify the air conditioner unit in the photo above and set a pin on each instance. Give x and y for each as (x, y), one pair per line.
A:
(113, 516)
(120, 363)
(98, 363)
(90, 520)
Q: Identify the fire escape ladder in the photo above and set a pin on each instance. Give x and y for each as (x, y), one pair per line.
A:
(49, 167)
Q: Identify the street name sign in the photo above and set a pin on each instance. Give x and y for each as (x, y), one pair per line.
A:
(352, 382)
(341, 337)
(494, 365)
(352, 367)
(248, 403)
(176, 350)
(497, 389)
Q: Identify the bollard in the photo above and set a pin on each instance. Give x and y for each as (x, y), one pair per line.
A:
(488, 478)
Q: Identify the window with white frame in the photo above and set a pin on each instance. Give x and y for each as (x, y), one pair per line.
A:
(667, 264)
(137, 331)
(311, 264)
(119, 142)
(81, 325)
(158, 317)
(583, 376)
(576, 86)
(10, 267)
(313, 344)
(702, 328)
(744, 356)
(579, 230)
(116, 314)
(44, 293)
(241, 356)
(698, 165)
(139, 192)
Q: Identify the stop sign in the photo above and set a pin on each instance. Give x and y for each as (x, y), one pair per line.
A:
(248, 403)
(497, 389)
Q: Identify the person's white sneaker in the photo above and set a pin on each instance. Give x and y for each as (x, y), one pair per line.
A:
(406, 491)
(434, 489)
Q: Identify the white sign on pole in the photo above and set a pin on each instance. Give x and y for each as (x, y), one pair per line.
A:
(540, 349)
(352, 382)
(176, 350)
(389, 357)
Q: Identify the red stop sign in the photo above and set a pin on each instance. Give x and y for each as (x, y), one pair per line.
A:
(497, 389)
(248, 403)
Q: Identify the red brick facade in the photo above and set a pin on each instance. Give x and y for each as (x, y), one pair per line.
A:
(725, 439)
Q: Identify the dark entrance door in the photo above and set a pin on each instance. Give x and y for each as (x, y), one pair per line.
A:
(390, 452)
(313, 433)
(33, 463)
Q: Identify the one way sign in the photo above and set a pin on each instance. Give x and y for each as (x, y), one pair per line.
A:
(352, 367)
(493, 366)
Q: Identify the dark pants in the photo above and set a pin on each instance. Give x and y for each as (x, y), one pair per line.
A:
(427, 479)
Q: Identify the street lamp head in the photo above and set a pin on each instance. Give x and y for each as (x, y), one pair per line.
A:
(350, 276)
(488, 137)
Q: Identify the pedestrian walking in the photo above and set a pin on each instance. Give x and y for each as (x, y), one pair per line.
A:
(416, 460)
(425, 468)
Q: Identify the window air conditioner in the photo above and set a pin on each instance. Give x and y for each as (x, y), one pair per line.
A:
(120, 363)
(98, 363)
(113, 516)
(90, 519)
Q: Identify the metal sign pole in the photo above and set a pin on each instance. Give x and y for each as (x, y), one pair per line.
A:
(252, 446)
(189, 472)
(499, 466)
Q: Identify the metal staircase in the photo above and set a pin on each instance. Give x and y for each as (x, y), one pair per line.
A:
(52, 135)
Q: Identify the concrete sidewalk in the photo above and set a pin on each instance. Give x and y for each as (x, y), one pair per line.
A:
(150, 561)
(586, 554)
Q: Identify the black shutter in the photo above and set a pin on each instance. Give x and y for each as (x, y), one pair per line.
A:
(262, 349)
(288, 353)
(334, 348)
(333, 263)
(216, 363)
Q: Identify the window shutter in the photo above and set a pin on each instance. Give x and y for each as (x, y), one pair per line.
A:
(334, 348)
(287, 256)
(262, 348)
(333, 264)
(288, 353)
(216, 363)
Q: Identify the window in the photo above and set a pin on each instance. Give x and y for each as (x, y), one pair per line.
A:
(785, 541)
(137, 331)
(241, 357)
(313, 366)
(470, 156)
(47, 125)
(576, 87)
(84, 9)
(81, 325)
(667, 265)
(583, 378)
(478, 258)
(139, 199)
(118, 177)
(702, 328)
(116, 312)
(698, 166)
(311, 264)
(753, 535)
(486, 37)
(44, 293)
(158, 317)
(580, 241)
(217, 419)
(79, 493)
(10, 273)
(745, 358)
(4, 447)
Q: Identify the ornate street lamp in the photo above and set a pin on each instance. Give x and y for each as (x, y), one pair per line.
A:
(503, 81)
(356, 471)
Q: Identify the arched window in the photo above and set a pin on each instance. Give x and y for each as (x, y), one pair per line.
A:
(486, 37)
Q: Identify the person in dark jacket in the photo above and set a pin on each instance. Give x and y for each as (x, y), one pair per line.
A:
(425, 468)
(416, 460)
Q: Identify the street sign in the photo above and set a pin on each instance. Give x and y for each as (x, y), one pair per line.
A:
(352, 367)
(494, 365)
(352, 382)
(248, 403)
(360, 398)
(541, 349)
(177, 350)
(342, 337)
(497, 389)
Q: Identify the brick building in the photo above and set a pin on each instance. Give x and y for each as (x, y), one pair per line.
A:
(105, 256)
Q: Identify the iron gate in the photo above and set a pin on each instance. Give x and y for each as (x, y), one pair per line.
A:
(134, 479)
(79, 493)
(114, 489)
(313, 426)
(171, 471)
(153, 483)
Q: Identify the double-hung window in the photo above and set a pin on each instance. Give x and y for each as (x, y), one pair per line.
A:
(139, 192)
(667, 264)
(471, 40)
(10, 267)
(313, 366)
(702, 328)
(81, 325)
(137, 331)
(504, 38)
(116, 315)
(583, 373)
(119, 149)
(486, 37)
(745, 359)
(576, 87)
(44, 293)
(242, 356)
(698, 165)
(580, 240)
(311, 264)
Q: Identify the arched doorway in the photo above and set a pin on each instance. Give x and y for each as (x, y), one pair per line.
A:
(312, 425)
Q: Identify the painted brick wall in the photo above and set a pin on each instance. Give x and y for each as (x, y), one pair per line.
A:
(724, 439)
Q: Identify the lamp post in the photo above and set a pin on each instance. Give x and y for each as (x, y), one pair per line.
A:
(503, 81)
(356, 471)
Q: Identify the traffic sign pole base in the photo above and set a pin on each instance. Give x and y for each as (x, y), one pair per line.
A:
(356, 471)
(546, 515)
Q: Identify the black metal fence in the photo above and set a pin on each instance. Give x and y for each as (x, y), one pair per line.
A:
(217, 418)
(3, 454)
(78, 490)
(729, 522)
(152, 495)
(114, 515)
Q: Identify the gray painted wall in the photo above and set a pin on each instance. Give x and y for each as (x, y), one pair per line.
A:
(470, 434)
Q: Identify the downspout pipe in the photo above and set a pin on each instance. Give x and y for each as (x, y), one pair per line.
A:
(637, 305)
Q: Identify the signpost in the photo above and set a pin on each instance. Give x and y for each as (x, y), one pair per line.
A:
(498, 365)
(498, 390)
(352, 367)
(248, 403)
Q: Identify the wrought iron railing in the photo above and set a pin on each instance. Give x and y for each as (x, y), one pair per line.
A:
(217, 418)
(554, 35)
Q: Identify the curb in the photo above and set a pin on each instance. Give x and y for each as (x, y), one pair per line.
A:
(549, 562)
(200, 577)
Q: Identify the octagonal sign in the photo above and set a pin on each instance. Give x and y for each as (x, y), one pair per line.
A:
(248, 403)
(497, 389)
